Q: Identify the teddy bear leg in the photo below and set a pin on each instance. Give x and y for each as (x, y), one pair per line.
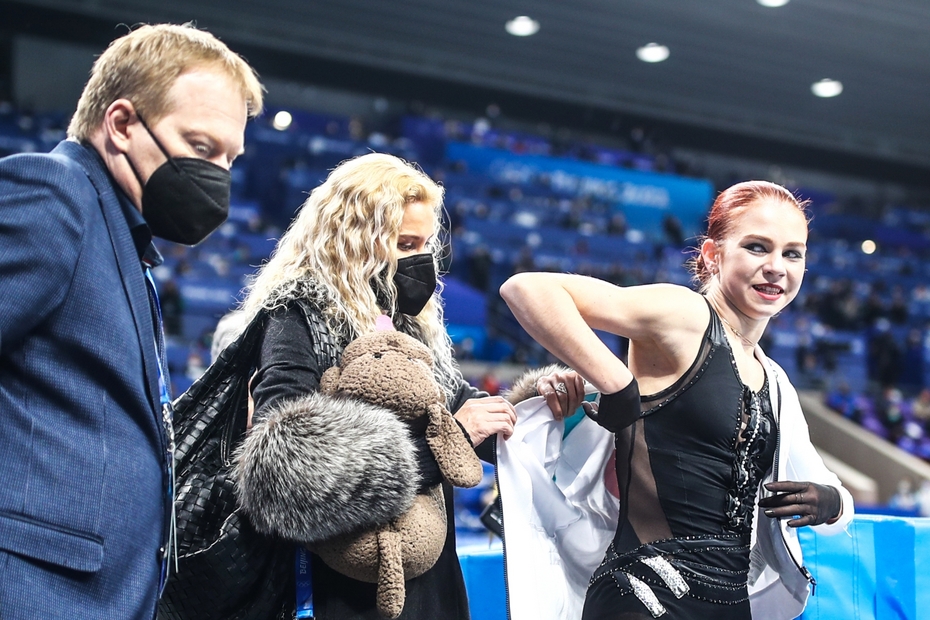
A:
(391, 590)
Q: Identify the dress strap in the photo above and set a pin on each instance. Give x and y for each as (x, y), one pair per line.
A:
(715, 331)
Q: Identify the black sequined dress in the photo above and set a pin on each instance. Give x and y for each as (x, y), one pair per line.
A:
(688, 471)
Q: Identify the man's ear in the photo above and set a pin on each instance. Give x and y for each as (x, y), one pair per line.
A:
(118, 123)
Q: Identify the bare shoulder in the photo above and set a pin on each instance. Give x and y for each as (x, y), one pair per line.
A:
(670, 338)
(677, 305)
(649, 311)
(668, 294)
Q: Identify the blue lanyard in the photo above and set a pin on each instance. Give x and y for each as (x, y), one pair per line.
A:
(304, 580)
(170, 548)
(160, 348)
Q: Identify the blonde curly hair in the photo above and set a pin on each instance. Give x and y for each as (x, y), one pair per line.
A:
(340, 250)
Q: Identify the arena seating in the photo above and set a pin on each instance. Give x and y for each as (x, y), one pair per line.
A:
(519, 201)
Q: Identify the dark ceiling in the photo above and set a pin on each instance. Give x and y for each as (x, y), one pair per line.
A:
(738, 77)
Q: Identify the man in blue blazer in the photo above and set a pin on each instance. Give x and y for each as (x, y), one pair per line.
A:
(84, 440)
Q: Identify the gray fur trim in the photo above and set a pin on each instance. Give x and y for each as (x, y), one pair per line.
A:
(304, 287)
(320, 466)
(525, 385)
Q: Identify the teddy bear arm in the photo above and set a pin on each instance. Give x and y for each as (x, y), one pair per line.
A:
(329, 382)
(456, 458)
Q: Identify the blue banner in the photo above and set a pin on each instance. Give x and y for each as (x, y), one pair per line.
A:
(647, 196)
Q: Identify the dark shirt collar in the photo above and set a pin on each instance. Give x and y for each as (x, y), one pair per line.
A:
(141, 234)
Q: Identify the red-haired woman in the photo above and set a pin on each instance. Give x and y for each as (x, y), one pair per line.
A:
(718, 426)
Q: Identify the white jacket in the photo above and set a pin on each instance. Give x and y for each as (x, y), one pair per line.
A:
(559, 517)
(777, 588)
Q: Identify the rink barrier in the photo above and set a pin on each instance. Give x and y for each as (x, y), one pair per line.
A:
(878, 570)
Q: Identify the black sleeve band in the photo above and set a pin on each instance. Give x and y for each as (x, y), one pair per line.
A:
(618, 410)
(464, 432)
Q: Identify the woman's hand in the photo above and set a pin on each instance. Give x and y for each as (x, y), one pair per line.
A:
(483, 417)
(802, 503)
(564, 392)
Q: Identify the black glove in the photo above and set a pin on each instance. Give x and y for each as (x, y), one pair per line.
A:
(616, 411)
(803, 503)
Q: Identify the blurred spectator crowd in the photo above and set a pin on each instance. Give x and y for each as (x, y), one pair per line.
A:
(858, 330)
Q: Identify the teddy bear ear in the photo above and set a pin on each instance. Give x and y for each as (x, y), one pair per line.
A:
(350, 352)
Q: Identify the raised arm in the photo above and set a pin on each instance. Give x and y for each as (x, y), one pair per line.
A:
(560, 311)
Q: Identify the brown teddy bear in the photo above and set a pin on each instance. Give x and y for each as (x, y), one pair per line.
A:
(395, 371)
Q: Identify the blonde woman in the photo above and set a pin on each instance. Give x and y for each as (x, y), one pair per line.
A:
(718, 427)
(363, 245)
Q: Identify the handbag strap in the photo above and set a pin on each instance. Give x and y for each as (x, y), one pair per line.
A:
(232, 368)
(327, 347)
(224, 383)
(240, 355)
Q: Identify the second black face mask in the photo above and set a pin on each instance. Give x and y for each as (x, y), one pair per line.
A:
(416, 282)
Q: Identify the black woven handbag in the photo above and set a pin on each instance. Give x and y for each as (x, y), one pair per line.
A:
(226, 570)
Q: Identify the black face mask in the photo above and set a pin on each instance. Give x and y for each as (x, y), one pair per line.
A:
(186, 198)
(416, 282)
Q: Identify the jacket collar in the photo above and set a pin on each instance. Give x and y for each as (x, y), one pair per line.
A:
(89, 159)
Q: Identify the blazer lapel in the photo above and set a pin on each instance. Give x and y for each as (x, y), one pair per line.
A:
(128, 263)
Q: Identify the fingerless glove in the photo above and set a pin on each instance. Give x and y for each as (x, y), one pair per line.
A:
(618, 410)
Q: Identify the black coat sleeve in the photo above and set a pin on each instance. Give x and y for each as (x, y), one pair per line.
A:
(289, 368)
(487, 450)
(288, 365)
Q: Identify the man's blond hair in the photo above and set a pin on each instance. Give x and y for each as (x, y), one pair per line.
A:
(143, 65)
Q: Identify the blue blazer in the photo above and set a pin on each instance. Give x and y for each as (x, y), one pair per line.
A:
(83, 498)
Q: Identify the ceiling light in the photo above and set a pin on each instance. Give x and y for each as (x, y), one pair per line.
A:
(827, 88)
(773, 3)
(522, 26)
(282, 120)
(652, 52)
